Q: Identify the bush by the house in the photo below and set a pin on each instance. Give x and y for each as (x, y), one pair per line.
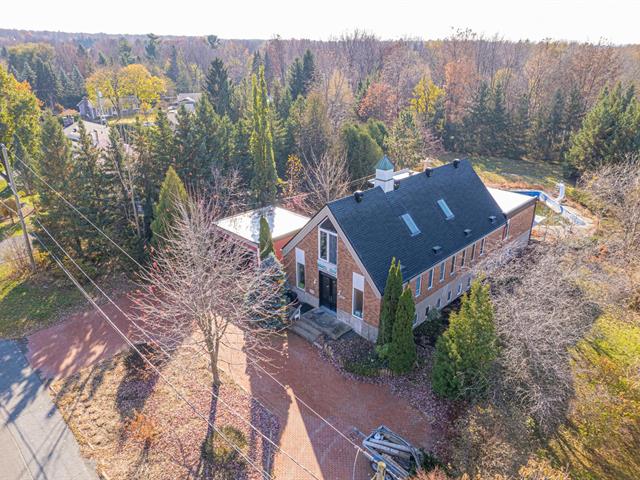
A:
(428, 332)
(467, 349)
(402, 351)
(265, 241)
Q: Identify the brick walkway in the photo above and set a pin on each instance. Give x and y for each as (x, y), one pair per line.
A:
(85, 338)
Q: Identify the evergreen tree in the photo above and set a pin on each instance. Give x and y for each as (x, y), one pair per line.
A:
(378, 131)
(151, 47)
(519, 129)
(264, 179)
(402, 350)
(610, 130)
(272, 314)
(256, 62)
(102, 60)
(265, 241)
(296, 79)
(389, 305)
(54, 166)
(215, 139)
(172, 195)
(173, 72)
(404, 143)
(362, 151)
(47, 87)
(466, 351)
(87, 192)
(186, 149)
(125, 52)
(497, 143)
(308, 71)
(476, 128)
(218, 87)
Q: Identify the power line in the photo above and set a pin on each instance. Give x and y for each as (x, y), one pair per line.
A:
(148, 336)
(139, 265)
(156, 370)
(79, 212)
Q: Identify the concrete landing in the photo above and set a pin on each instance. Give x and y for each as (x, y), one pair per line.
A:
(317, 322)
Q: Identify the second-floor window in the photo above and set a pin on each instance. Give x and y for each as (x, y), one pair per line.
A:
(482, 247)
(442, 269)
(473, 252)
(464, 257)
(328, 247)
(453, 265)
(418, 285)
(430, 283)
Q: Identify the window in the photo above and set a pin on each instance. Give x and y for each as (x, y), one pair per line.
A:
(482, 246)
(442, 268)
(449, 296)
(418, 285)
(430, 284)
(438, 303)
(459, 289)
(426, 311)
(358, 295)
(468, 282)
(411, 225)
(505, 231)
(300, 275)
(464, 256)
(453, 265)
(328, 247)
(300, 278)
(448, 214)
(473, 252)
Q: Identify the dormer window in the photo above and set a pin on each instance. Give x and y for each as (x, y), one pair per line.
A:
(411, 225)
(448, 214)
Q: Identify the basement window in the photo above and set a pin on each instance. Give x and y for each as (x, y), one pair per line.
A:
(448, 214)
(411, 225)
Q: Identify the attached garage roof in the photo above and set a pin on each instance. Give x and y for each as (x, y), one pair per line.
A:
(282, 223)
(509, 201)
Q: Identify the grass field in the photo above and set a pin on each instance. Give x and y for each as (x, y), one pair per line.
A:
(28, 303)
(508, 171)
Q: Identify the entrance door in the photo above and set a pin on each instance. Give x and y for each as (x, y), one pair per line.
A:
(328, 291)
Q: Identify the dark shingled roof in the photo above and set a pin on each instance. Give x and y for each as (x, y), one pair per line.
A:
(377, 233)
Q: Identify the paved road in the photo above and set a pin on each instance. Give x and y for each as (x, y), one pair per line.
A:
(35, 442)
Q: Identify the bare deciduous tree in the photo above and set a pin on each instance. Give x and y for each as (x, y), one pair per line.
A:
(541, 312)
(326, 179)
(203, 281)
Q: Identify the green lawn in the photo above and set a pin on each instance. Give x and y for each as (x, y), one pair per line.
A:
(500, 171)
(30, 303)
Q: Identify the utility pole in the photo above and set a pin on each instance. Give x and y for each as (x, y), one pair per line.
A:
(14, 189)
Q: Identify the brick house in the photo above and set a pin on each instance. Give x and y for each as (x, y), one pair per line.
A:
(438, 224)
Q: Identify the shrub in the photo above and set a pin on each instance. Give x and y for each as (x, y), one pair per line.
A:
(220, 451)
(430, 330)
(466, 351)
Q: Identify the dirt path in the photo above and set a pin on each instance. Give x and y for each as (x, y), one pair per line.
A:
(85, 338)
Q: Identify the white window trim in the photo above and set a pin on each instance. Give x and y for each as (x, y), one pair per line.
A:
(464, 257)
(443, 270)
(452, 272)
(430, 277)
(507, 230)
(459, 289)
(482, 242)
(418, 285)
(473, 252)
(357, 283)
(328, 233)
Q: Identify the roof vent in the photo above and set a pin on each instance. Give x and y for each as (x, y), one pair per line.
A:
(492, 218)
(467, 232)
(358, 195)
(396, 185)
(456, 162)
(428, 171)
(437, 249)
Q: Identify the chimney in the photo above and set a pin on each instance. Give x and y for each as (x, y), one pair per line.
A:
(384, 175)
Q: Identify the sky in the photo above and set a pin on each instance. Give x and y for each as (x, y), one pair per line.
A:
(616, 21)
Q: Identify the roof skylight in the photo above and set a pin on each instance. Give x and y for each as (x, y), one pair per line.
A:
(411, 225)
(445, 209)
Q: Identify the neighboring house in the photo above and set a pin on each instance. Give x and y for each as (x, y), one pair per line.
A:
(245, 227)
(437, 224)
(99, 133)
(89, 111)
(188, 100)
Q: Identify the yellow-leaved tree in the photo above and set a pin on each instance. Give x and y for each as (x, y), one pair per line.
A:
(119, 85)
